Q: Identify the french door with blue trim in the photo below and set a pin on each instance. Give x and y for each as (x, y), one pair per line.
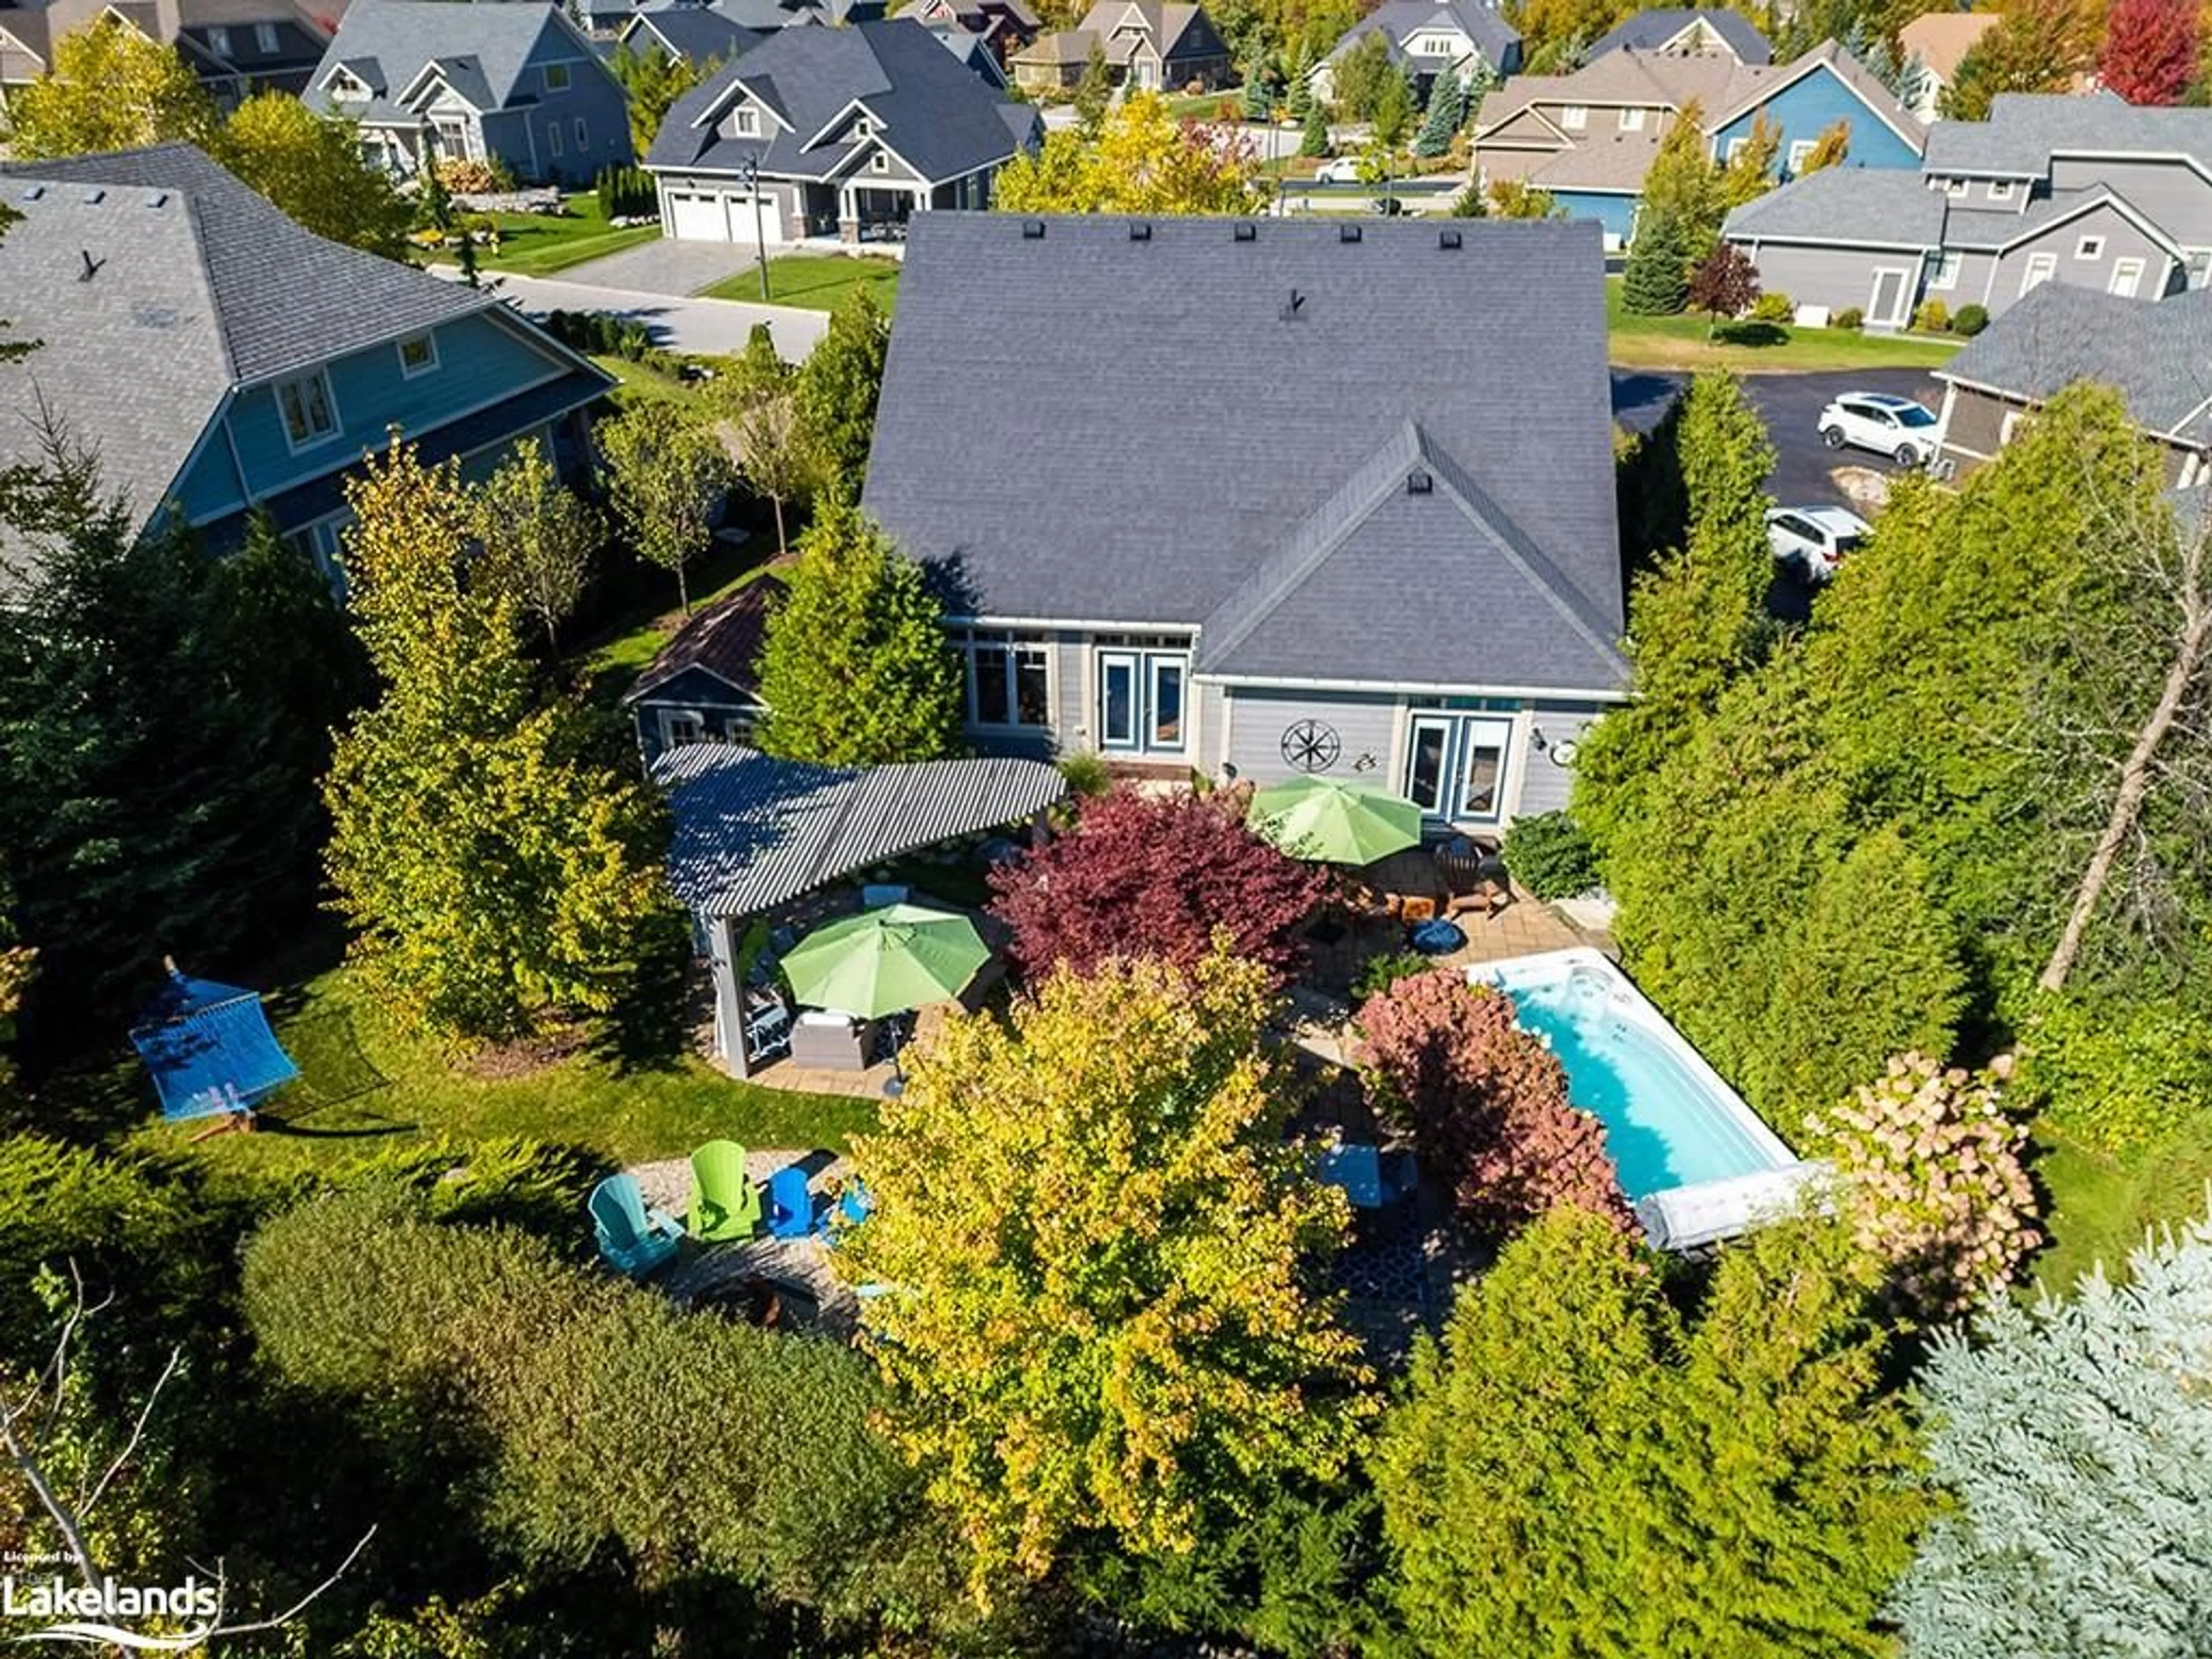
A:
(1144, 702)
(1456, 766)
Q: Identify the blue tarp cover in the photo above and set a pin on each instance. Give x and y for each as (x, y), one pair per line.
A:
(209, 1048)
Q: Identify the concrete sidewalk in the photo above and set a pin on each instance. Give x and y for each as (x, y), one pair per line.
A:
(714, 328)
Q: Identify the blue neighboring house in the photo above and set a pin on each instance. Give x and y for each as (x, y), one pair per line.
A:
(1590, 137)
(213, 357)
(518, 82)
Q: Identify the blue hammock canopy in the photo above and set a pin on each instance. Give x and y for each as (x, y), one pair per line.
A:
(209, 1048)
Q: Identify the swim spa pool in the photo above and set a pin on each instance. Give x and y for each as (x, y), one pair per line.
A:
(1693, 1159)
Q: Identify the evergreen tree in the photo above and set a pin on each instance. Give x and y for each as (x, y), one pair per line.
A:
(1577, 1469)
(499, 875)
(2075, 1439)
(837, 389)
(1093, 92)
(1259, 90)
(1655, 281)
(162, 719)
(1313, 138)
(1442, 119)
(1394, 111)
(855, 670)
(1301, 93)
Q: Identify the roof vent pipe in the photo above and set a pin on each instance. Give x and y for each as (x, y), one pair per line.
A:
(1141, 232)
(1347, 232)
(1418, 482)
(1247, 233)
(1294, 307)
(1032, 230)
(1448, 238)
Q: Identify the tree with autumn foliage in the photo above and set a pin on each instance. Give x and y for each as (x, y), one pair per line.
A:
(2152, 50)
(1099, 1248)
(1487, 1104)
(1142, 160)
(1724, 284)
(1830, 149)
(111, 87)
(2038, 46)
(1156, 876)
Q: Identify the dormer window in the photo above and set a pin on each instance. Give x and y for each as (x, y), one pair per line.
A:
(2000, 190)
(861, 127)
(556, 77)
(1632, 120)
(745, 122)
(1574, 118)
(880, 162)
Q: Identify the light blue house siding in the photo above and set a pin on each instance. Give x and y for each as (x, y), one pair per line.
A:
(482, 359)
(1615, 211)
(1809, 106)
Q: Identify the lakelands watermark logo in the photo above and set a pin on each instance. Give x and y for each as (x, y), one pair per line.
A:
(88, 1616)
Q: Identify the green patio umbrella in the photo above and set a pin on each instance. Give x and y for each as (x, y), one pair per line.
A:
(1335, 820)
(886, 961)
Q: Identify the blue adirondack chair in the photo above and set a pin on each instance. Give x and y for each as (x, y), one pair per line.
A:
(633, 1239)
(790, 1206)
(849, 1210)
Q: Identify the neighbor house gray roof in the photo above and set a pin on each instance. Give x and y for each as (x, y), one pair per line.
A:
(1650, 31)
(1494, 37)
(157, 282)
(1235, 416)
(699, 34)
(2157, 356)
(2024, 130)
(481, 50)
(928, 109)
(752, 832)
(1873, 207)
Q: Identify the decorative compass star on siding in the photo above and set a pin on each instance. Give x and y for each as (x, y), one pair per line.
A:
(1310, 745)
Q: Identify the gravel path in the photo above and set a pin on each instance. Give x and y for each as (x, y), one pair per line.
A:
(796, 1270)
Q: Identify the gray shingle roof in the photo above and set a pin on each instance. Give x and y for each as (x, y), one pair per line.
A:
(2157, 356)
(724, 638)
(2025, 128)
(1148, 441)
(942, 119)
(697, 33)
(752, 832)
(1970, 226)
(387, 43)
(1650, 30)
(1492, 35)
(200, 285)
(1883, 207)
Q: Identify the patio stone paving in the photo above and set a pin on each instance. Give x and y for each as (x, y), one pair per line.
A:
(722, 1274)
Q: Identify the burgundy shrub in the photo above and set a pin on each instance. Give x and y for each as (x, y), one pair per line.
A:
(1156, 876)
(1486, 1102)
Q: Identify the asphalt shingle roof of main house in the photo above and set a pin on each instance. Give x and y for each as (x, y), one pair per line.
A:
(482, 49)
(1880, 207)
(2024, 130)
(1386, 460)
(155, 282)
(935, 114)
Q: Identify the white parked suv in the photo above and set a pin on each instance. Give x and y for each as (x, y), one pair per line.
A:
(1815, 539)
(1891, 426)
(1344, 170)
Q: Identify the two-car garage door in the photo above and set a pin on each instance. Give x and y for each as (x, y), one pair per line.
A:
(722, 216)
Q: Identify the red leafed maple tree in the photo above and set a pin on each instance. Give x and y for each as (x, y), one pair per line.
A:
(1487, 1104)
(2151, 50)
(1156, 876)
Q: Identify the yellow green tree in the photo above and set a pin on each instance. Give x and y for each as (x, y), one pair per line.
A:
(1749, 174)
(1829, 149)
(499, 875)
(1141, 160)
(112, 88)
(312, 167)
(1100, 1250)
(1683, 184)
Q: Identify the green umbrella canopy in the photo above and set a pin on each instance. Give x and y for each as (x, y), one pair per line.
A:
(1335, 820)
(886, 961)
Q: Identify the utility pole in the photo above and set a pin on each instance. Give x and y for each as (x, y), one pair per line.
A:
(760, 246)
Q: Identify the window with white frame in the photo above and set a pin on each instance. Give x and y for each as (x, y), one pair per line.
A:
(1632, 119)
(1734, 149)
(1943, 274)
(305, 402)
(556, 77)
(745, 122)
(2000, 190)
(880, 162)
(2089, 247)
(1800, 153)
(219, 41)
(2009, 428)
(1436, 45)
(1009, 679)
(418, 354)
(861, 127)
(265, 39)
(1574, 118)
(553, 137)
(2196, 265)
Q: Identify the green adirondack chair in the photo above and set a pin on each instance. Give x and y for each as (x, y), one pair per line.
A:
(725, 1203)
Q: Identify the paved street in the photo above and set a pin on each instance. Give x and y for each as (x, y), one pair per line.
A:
(697, 327)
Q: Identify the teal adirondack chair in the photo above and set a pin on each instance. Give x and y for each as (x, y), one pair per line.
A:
(724, 1202)
(633, 1239)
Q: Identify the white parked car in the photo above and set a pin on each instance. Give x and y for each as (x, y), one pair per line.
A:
(1815, 539)
(1888, 425)
(1345, 170)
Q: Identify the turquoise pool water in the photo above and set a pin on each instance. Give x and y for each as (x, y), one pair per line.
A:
(1670, 1120)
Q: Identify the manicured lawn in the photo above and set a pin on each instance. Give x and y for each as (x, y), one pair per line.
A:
(816, 282)
(2100, 1207)
(366, 1088)
(1683, 342)
(1207, 106)
(642, 384)
(617, 658)
(537, 245)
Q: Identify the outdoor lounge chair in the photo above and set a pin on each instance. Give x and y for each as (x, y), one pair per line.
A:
(725, 1203)
(634, 1240)
(790, 1206)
